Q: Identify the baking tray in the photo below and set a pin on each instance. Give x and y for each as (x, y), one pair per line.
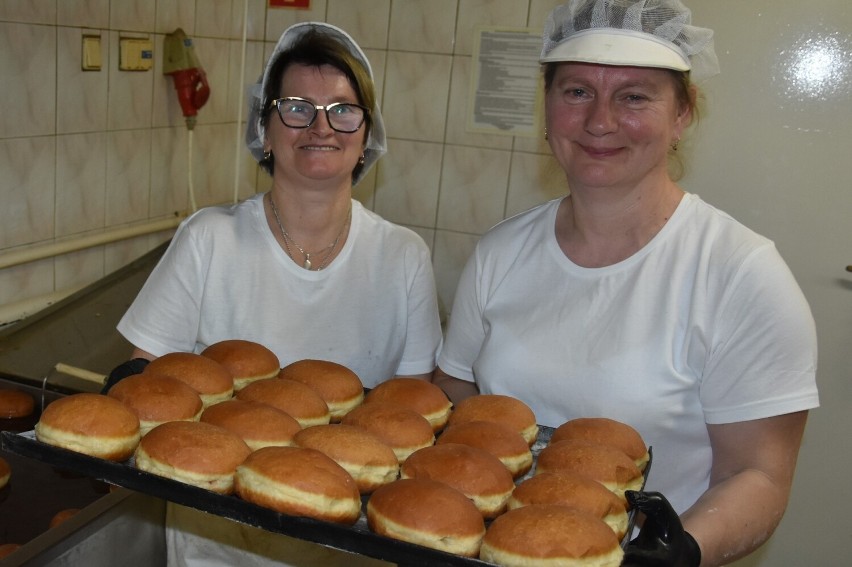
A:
(356, 538)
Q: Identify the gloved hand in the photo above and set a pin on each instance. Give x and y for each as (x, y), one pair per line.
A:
(662, 541)
(123, 370)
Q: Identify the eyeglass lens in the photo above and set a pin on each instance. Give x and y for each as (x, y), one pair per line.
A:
(299, 113)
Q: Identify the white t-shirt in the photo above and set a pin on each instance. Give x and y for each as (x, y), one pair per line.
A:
(374, 309)
(704, 325)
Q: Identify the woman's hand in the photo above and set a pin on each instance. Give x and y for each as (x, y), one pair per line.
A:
(662, 541)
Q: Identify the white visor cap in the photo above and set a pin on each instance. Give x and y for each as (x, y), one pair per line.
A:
(609, 46)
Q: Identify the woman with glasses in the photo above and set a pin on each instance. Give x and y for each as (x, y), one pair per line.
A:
(303, 269)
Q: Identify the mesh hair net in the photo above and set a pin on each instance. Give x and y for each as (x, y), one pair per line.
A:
(376, 145)
(645, 33)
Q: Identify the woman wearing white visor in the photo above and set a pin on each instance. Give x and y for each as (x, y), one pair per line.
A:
(632, 299)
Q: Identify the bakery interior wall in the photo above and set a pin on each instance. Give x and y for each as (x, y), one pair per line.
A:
(86, 155)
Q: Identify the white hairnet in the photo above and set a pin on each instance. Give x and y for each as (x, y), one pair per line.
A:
(376, 144)
(643, 33)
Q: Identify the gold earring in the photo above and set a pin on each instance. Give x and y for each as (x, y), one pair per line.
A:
(361, 159)
(545, 133)
(674, 144)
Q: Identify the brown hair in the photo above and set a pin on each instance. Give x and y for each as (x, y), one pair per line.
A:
(316, 48)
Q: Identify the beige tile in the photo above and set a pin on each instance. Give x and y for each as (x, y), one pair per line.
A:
(130, 92)
(169, 171)
(26, 281)
(214, 19)
(241, 75)
(410, 176)
(28, 71)
(539, 9)
(174, 14)
(534, 179)
(28, 11)
(256, 19)
(213, 164)
(365, 191)
(279, 19)
(81, 182)
(215, 56)
(459, 110)
(128, 176)
(417, 87)
(27, 190)
(423, 26)
(473, 189)
(473, 13)
(78, 269)
(366, 20)
(450, 253)
(119, 254)
(83, 13)
(132, 15)
(378, 62)
(82, 102)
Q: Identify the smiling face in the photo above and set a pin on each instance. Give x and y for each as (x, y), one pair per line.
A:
(315, 153)
(611, 126)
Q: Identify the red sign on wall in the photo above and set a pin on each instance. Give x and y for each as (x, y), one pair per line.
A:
(290, 4)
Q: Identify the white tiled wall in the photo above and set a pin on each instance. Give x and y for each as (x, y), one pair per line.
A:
(82, 151)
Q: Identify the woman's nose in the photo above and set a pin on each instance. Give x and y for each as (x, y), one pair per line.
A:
(320, 123)
(601, 118)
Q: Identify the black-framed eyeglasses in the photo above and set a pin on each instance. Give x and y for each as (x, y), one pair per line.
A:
(296, 112)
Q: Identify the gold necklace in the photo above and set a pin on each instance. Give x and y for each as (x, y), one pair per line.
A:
(308, 264)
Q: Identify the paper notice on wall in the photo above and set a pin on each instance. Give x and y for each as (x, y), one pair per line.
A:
(505, 82)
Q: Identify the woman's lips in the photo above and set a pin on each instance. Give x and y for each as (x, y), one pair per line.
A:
(599, 152)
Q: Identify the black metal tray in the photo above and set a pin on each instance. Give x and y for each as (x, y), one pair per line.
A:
(356, 538)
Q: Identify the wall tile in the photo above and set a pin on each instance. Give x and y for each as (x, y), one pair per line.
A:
(450, 253)
(130, 92)
(77, 269)
(366, 21)
(473, 189)
(423, 26)
(173, 14)
(213, 164)
(82, 102)
(28, 11)
(119, 254)
(169, 171)
(416, 90)
(26, 281)
(256, 19)
(132, 15)
(28, 69)
(83, 13)
(81, 182)
(26, 190)
(473, 13)
(539, 9)
(214, 19)
(279, 19)
(215, 57)
(408, 193)
(128, 176)
(533, 180)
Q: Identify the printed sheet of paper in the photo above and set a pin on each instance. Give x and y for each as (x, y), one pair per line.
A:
(505, 82)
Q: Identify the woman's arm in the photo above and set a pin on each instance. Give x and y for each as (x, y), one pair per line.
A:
(750, 481)
(455, 388)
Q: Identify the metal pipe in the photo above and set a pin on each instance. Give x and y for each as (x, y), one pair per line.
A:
(16, 257)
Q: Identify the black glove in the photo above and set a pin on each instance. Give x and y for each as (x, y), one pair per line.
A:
(123, 370)
(662, 541)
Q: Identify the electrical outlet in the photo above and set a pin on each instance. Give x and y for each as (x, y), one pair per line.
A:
(91, 53)
(135, 54)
